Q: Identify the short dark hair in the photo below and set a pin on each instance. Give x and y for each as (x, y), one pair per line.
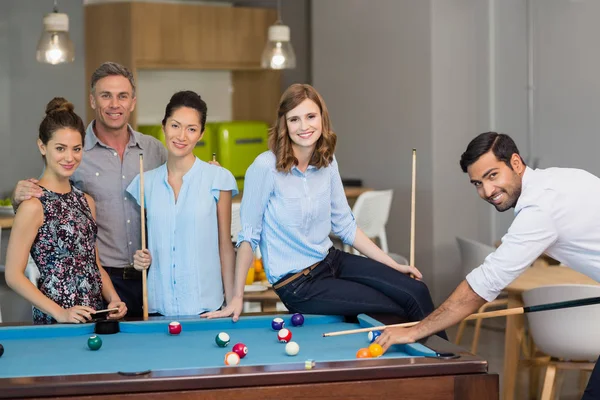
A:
(110, 68)
(500, 144)
(189, 99)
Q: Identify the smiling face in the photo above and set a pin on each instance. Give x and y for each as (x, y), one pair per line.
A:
(183, 129)
(113, 102)
(304, 125)
(62, 152)
(496, 182)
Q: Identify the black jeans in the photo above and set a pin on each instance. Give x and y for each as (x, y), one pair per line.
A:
(592, 391)
(130, 292)
(347, 284)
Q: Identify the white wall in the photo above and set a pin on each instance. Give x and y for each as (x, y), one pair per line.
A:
(372, 68)
(31, 84)
(567, 82)
(155, 88)
(461, 108)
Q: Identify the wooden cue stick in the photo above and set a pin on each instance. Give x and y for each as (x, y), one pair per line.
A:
(143, 218)
(412, 209)
(214, 157)
(107, 310)
(491, 314)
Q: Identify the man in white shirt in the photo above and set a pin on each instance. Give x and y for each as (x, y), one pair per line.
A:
(557, 211)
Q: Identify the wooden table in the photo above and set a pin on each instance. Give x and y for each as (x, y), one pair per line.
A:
(352, 193)
(535, 276)
(6, 221)
(268, 299)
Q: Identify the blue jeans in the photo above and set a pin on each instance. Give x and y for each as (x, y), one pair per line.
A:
(592, 391)
(347, 284)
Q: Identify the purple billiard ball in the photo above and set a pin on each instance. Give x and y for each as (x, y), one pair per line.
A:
(277, 324)
(297, 319)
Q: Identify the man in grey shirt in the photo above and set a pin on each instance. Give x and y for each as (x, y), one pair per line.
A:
(110, 162)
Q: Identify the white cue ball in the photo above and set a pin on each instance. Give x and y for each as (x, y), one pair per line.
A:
(292, 348)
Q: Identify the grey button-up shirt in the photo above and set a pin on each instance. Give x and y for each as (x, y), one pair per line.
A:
(104, 177)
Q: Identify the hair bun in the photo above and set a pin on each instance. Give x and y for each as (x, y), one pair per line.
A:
(59, 104)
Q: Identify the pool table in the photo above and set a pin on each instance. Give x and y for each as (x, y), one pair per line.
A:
(143, 361)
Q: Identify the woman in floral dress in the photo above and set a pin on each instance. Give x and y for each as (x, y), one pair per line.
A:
(59, 231)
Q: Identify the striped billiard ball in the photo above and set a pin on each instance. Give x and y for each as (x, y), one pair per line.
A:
(277, 324)
(373, 335)
(222, 339)
(284, 335)
(240, 349)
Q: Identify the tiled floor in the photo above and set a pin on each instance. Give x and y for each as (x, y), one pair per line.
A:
(491, 347)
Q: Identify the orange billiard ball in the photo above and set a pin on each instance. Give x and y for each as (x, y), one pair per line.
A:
(363, 353)
(375, 349)
(232, 358)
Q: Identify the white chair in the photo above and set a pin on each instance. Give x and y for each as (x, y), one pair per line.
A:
(236, 223)
(568, 336)
(472, 254)
(371, 212)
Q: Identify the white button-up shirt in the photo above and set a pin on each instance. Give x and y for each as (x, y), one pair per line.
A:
(558, 212)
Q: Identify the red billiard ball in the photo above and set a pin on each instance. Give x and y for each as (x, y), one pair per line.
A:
(174, 328)
(240, 349)
(297, 319)
(284, 335)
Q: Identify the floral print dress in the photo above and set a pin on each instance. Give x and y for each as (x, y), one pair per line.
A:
(64, 251)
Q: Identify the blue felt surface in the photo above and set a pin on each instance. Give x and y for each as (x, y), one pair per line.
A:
(140, 346)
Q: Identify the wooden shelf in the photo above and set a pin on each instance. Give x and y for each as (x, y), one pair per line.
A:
(175, 36)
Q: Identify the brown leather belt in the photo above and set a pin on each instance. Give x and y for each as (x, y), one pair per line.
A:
(297, 275)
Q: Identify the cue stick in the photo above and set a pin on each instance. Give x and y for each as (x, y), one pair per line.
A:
(107, 310)
(214, 157)
(491, 314)
(412, 209)
(143, 218)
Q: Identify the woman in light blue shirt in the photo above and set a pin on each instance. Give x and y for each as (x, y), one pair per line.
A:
(293, 199)
(188, 204)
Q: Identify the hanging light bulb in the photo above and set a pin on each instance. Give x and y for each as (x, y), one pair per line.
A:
(55, 45)
(278, 52)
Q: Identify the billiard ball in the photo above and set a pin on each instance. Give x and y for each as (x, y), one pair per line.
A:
(232, 358)
(309, 364)
(375, 349)
(297, 319)
(94, 342)
(284, 335)
(222, 339)
(1, 350)
(240, 349)
(174, 328)
(292, 348)
(363, 353)
(277, 324)
(373, 335)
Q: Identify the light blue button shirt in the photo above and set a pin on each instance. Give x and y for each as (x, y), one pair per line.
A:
(185, 275)
(290, 215)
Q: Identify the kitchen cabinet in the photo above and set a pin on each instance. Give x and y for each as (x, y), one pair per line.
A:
(171, 36)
